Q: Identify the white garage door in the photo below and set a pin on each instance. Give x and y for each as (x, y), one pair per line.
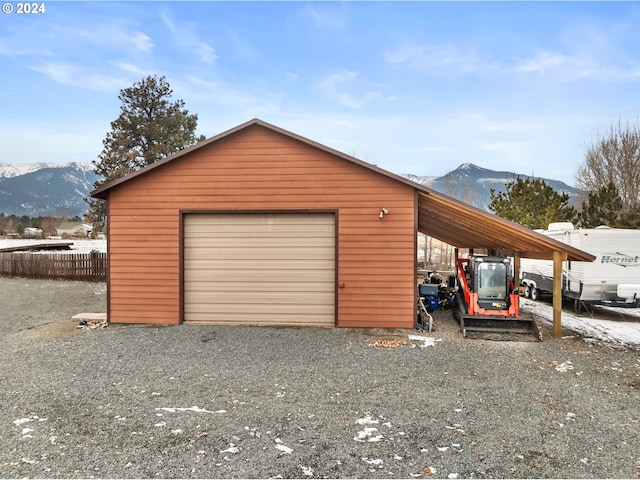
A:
(259, 268)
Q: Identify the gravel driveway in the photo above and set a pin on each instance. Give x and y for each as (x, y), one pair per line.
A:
(194, 401)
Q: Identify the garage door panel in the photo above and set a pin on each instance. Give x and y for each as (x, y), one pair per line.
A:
(218, 287)
(257, 303)
(253, 275)
(301, 297)
(282, 243)
(253, 252)
(226, 231)
(255, 308)
(279, 268)
(263, 318)
(250, 220)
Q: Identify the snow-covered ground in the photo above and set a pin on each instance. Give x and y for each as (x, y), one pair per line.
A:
(79, 246)
(593, 327)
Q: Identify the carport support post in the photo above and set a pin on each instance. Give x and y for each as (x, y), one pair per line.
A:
(516, 269)
(557, 294)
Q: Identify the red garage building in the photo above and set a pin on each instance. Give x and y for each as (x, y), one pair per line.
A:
(260, 226)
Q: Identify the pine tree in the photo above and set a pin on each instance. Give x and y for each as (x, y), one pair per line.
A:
(150, 127)
(629, 218)
(531, 203)
(601, 208)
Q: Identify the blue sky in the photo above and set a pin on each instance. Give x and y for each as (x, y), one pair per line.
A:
(414, 87)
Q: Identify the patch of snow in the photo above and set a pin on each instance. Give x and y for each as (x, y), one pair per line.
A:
(307, 471)
(593, 329)
(8, 170)
(188, 409)
(283, 448)
(367, 419)
(426, 341)
(456, 426)
(232, 449)
(79, 245)
(367, 435)
(633, 312)
(30, 418)
(564, 366)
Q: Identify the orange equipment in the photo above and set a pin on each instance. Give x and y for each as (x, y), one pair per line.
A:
(487, 300)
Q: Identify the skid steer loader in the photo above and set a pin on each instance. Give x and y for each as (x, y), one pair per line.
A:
(487, 302)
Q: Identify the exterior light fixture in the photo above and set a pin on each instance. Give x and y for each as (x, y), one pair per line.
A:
(383, 212)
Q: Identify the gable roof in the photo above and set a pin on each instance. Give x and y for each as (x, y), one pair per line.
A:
(440, 216)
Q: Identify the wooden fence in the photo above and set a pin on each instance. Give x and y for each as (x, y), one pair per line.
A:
(59, 266)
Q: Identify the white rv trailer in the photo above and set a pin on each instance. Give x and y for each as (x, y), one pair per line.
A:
(613, 278)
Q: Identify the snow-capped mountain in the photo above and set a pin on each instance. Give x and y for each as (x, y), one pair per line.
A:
(8, 170)
(471, 184)
(45, 189)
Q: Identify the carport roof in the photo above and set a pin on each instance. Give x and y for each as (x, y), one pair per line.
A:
(439, 216)
(465, 226)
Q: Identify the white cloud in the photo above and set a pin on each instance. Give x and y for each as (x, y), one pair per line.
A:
(333, 84)
(326, 15)
(60, 39)
(100, 56)
(581, 66)
(433, 57)
(185, 35)
(544, 61)
(135, 69)
(85, 77)
(212, 91)
(141, 41)
(575, 64)
(114, 33)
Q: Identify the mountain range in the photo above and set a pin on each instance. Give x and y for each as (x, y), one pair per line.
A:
(46, 189)
(59, 190)
(472, 184)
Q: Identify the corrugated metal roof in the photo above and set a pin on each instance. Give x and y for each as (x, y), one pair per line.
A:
(439, 216)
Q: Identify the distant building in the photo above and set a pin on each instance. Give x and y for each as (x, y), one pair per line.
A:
(30, 232)
(74, 229)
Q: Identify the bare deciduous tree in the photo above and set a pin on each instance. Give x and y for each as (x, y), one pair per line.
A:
(614, 159)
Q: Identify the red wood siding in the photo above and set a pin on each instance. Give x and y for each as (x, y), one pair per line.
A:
(259, 169)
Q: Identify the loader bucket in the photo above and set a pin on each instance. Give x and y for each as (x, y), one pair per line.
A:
(500, 328)
(495, 327)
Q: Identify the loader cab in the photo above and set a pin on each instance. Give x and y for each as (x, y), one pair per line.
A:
(486, 300)
(490, 279)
